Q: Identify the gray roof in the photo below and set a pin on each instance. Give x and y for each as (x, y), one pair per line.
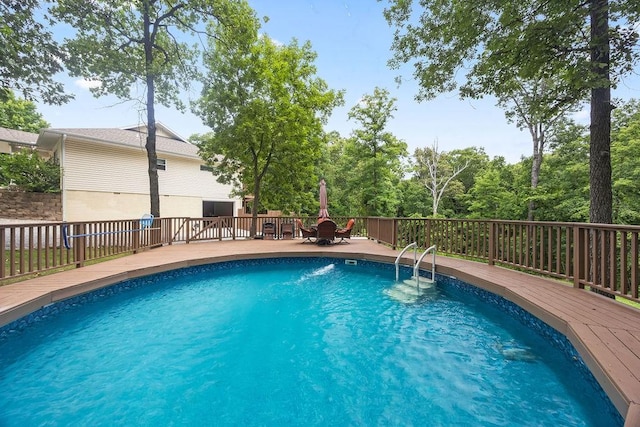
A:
(123, 137)
(21, 137)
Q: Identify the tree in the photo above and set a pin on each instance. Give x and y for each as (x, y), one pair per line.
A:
(336, 166)
(536, 105)
(413, 199)
(20, 114)
(563, 194)
(497, 41)
(29, 57)
(122, 44)
(491, 198)
(625, 151)
(454, 203)
(435, 172)
(378, 152)
(29, 172)
(266, 107)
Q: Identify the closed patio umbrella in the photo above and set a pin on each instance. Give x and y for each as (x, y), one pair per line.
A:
(324, 213)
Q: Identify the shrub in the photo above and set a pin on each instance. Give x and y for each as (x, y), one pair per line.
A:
(29, 172)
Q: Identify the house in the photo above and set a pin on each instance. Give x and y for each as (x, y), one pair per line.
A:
(105, 174)
(12, 140)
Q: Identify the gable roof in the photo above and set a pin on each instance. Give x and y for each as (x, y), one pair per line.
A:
(123, 137)
(161, 129)
(18, 136)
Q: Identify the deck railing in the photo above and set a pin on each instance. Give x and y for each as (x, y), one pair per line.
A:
(600, 256)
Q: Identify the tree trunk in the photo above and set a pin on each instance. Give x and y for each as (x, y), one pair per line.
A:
(537, 135)
(254, 207)
(600, 210)
(152, 157)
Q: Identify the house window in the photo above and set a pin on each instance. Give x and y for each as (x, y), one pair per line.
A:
(206, 168)
(161, 164)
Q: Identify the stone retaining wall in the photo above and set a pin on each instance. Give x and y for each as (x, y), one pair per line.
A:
(32, 206)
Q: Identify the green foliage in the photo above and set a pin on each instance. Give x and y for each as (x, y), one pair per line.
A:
(563, 194)
(376, 156)
(566, 48)
(335, 166)
(29, 57)
(266, 108)
(415, 201)
(29, 172)
(625, 152)
(151, 43)
(493, 195)
(20, 114)
(500, 44)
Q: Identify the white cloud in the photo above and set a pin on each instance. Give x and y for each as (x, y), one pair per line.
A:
(583, 116)
(275, 41)
(88, 84)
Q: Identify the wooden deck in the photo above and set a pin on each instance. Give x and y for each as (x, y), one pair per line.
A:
(606, 333)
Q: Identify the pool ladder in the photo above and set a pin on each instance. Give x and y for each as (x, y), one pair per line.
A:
(415, 279)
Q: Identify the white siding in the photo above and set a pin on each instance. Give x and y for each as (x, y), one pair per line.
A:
(183, 177)
(94, 206)
(96, 167)
(111, 182)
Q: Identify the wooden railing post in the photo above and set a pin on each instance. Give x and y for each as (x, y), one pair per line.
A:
(427, 232)
(169, 230)
(578, 256)
(492, 242)
(80, 245)
(394, 236)
(136, 236)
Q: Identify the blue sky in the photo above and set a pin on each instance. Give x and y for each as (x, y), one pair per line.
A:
(352, 41)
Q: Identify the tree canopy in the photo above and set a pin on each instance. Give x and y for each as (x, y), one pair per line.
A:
(29, 56)
(20, 114)
(376, 154)
(499, 43)
(266, 108)
(150, 43)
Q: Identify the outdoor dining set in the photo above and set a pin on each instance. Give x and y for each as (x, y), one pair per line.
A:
(325, 232)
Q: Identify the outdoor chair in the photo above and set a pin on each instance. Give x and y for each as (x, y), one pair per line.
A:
(326, 232)
(307, 233)
(345, 233)
(286, 230)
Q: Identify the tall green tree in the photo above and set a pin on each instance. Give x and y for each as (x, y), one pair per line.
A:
(535, 105)
(122, 44)
(29, 56)
(20, 114)
(625, 152)
(379, 153)
(563, 194)
(266, 107)
(455, 203)
(495, 193)
(570, 41)
(336, 167)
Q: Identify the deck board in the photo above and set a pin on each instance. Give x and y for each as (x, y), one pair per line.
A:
(606, 333)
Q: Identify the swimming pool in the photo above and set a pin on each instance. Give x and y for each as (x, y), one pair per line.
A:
(291, 342)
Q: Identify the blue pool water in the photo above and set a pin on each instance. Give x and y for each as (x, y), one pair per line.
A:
(290, 342)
